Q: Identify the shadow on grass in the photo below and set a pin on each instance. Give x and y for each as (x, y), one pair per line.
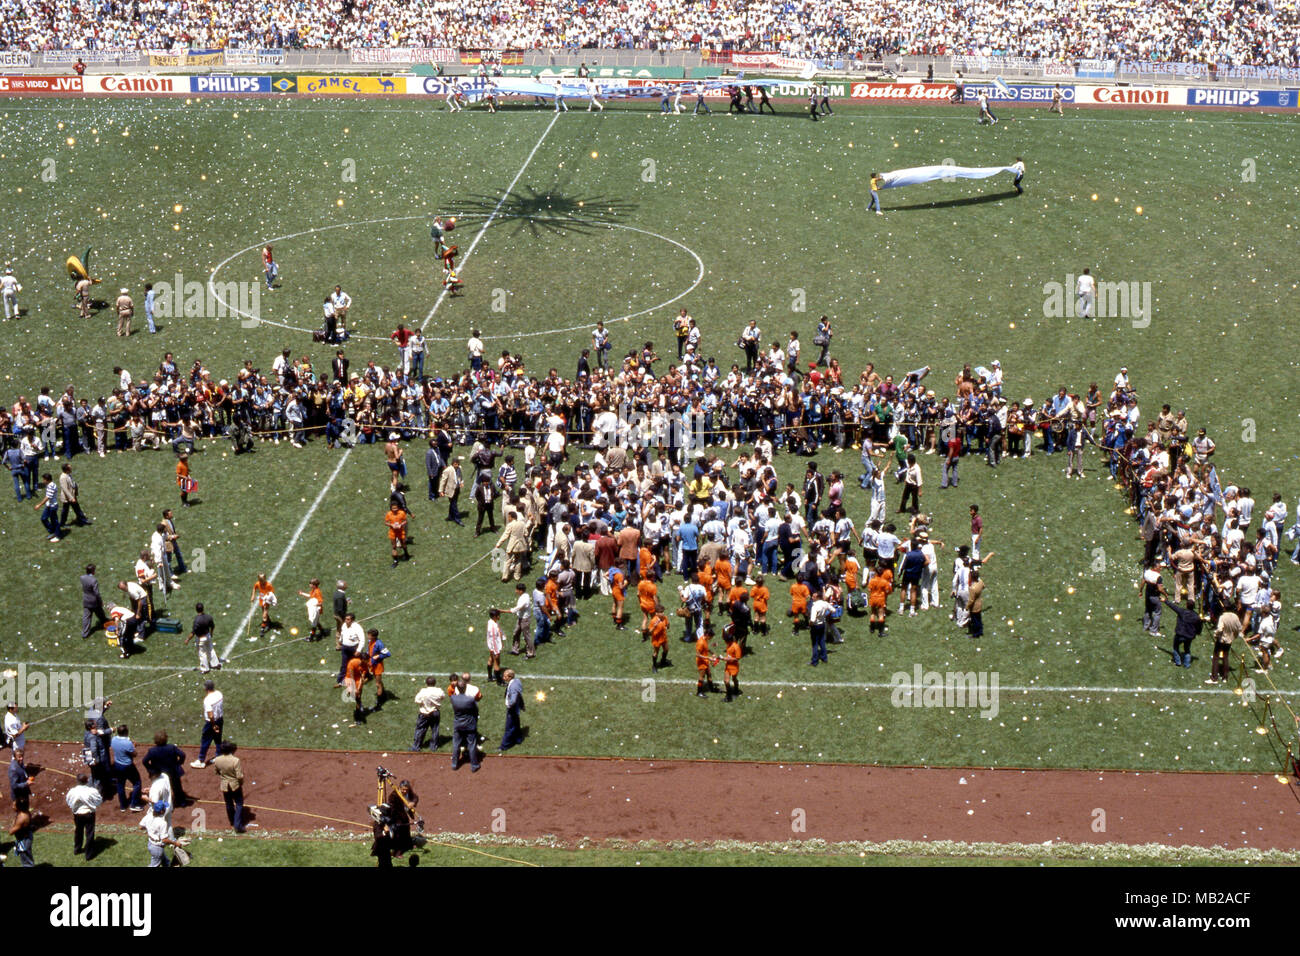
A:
(954, 203)
(554, 211)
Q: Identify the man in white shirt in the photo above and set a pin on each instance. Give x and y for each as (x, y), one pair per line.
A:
(158, 552)
(1085, 290)
(83, 800)
(428, 703)
(929, 576)
(160, 791)
(157, 825)
(341, 302)
(475, 348)
(9, 289)
(351, 640)
(15, 727)
(214, 718)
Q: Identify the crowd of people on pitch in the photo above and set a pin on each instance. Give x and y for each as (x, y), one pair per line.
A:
(1201, 531)
(1216, 31)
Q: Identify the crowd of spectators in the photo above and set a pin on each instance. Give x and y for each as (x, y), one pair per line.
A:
(1234, 32)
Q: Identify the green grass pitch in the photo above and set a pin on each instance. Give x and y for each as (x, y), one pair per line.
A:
(615, 215)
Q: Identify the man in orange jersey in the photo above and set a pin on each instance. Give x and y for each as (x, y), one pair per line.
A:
(396, 521)
(704, 662)
(759, 595)
(799, 595)
(658, 638)
(315, 602)
(722, 576)
(647, 596)
(551, 593)
(353, 680)
(705, 577)
(878, 590)
(731, 670)
(852, 579)
(264, 598)
(617, 591)
(649, 566)
(183, 479)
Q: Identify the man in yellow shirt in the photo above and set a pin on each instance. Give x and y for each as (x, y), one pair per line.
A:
(875, 194)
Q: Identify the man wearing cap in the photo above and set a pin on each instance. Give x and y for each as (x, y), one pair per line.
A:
(158, 831)
(125, 311)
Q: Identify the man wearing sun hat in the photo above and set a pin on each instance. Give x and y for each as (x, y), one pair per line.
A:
(125, 310)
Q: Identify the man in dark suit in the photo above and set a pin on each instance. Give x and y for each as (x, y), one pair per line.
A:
(433, 465)
(168, 759)
(340, 607)
(339, 367)
(464, 732)
(20, 784)
(92, 605)
(513, 734)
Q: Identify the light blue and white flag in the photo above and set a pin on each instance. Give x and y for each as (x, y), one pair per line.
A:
(928, 174)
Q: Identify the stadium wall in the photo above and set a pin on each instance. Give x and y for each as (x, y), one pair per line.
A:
(410, 84)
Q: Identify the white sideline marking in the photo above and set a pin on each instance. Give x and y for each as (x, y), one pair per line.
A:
(500, 202)
(293, 543)
(792, 684)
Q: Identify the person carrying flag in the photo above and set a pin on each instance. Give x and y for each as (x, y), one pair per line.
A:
(186, 484)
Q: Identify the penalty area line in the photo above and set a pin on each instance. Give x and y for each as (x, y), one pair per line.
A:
(492, 218)
(288, 550)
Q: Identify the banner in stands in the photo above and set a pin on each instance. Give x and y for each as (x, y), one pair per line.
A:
(69, 57)
(130, 83)
(15, 58)
(254, 57)
(602, 72)
(475, 57)
(351, 84)
(1165, 69)
(1059, 70)
(402, 55)
(40, 84)
(1131, 95)
(933, 92)
(187, 58)
(229, 83)
(1264, 99)
(1095, 69)
(1286, 74)
(1020, 93)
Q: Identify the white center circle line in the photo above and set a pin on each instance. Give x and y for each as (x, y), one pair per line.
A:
(699, 277)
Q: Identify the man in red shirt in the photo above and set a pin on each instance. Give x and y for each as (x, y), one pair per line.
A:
(401, 337)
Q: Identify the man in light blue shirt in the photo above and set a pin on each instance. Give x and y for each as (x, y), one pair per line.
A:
(688, 533)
